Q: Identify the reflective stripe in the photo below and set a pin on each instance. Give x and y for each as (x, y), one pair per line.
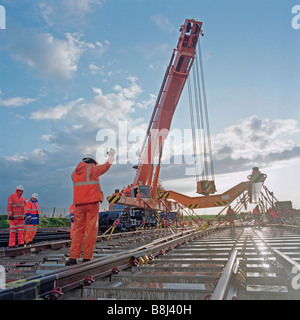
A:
(86, 186)
(88, 179)
(85, 183)
(30, 227)
(34, 220)
(88, 173)
(15, 227)
(18, 205)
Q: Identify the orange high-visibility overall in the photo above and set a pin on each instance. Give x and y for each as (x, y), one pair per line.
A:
(230, 217)
(32, 220)
(87, 195)
(256, 216)
(15, 210)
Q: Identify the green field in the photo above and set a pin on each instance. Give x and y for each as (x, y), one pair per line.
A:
(44, 222)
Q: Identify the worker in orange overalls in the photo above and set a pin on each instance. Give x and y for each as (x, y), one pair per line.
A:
(256, 216)
(32, 218)
(16, 216)
(71, 220)
(230, 216)
(269, 216)
(126, 191)
(87, 195)
(276, 215)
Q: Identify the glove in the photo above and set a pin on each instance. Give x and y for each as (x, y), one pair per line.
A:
(111, 152)
(11, 218)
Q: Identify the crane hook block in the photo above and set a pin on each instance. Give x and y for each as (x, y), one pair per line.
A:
(206, 187)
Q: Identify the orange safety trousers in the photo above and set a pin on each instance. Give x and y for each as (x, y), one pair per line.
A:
(86, 218)
(16, 226)
(30, 232)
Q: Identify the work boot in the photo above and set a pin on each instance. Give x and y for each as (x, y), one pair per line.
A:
(86, 260)
(71, 262)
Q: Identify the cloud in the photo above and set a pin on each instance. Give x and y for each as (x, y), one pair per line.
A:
(162, 22)
(103, 111)
(80, 7)
(52, 58)
(251, 142)
(83, 127)
(67, 12)
(16, 102)
(78, 122)
(56, 113)
(253, 137)
(96, 70)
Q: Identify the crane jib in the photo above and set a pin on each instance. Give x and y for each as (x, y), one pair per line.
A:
(173, 83)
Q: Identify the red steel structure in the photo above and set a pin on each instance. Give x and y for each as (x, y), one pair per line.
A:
(144, 189)
(173, 83)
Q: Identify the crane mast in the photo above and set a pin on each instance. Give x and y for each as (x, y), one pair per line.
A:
(173, 83)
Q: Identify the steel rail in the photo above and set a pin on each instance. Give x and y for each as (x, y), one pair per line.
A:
(4, 239)
(288, 263)
(55, 283)
(224, 286)
(12, 252)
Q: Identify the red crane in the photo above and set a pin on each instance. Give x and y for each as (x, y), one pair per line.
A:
(148, 169)
(142, 193)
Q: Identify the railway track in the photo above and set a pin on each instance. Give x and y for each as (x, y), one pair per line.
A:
(39, 237)
(243, 263)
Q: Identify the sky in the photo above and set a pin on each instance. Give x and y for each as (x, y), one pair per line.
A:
(79, 76)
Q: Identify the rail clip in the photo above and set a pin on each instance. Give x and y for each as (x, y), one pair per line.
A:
(115, 270)
(55, 294)
(88, 281)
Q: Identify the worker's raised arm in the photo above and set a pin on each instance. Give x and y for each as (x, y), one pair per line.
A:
(101, 169)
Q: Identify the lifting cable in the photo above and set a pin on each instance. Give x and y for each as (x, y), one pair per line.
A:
(206, 111)
(270, 196)
(202, 149)
(193, 130)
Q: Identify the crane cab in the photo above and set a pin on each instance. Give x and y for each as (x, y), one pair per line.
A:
(141, 191)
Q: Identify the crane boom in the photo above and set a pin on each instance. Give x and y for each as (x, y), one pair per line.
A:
(173, 83)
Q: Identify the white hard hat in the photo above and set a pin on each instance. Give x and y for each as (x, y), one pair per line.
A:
(35, 196)
(19, 187)
(89, 156)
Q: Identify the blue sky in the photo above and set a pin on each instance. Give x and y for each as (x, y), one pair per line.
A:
(70, 68)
